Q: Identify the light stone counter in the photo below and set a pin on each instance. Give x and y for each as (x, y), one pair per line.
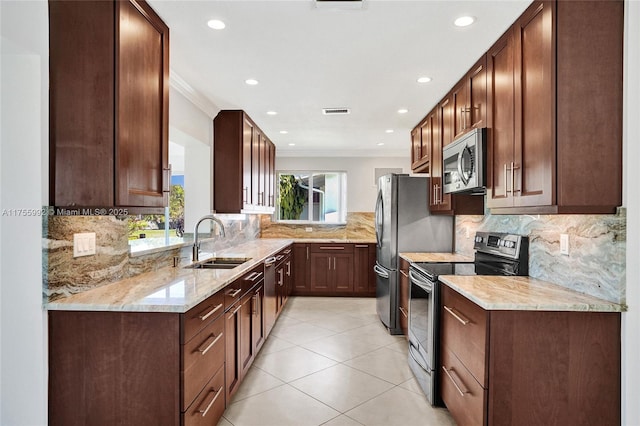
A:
(170, 289)
(502, 293)
(436, 257)
(334, 240)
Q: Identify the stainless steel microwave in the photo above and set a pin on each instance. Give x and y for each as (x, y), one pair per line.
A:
(463, 162)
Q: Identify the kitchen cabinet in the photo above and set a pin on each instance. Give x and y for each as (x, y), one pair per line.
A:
(470, 100)
(332, 268)
(528, 367)
(283, 278)
(420, 149)
(554, 116)
(301, 269)
(403, 297)
(108, 133)
(364, 276)
(244, 165)
(243, 326)
(170, 364)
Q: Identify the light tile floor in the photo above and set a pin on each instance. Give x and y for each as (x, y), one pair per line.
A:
(329, 361)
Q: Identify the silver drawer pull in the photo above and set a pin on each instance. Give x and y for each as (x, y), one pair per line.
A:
(404, 311)
(253, 276)
(234, 292)
(460, 391)
(210, 345)
(207, 406)
(204, 316)
(234, 312)
(456, 315)
(361, 246)
(404, 273)
(331, 248)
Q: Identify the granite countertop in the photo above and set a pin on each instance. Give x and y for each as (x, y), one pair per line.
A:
(436, 257)
(170, 289)
(334, 240)
(502, 293)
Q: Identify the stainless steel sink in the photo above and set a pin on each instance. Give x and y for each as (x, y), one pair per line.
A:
(219, 263)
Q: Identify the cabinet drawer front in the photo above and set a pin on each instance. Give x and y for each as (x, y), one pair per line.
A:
(464, 331)
(196, 318)
(332, 248)
(464, 397)
(202, 357)
(209, 405)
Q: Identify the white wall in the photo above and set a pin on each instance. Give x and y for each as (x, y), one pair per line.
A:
(631, 319)
(361, 185)
(23, 122)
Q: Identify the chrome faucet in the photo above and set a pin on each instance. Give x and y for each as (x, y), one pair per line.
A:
(196, 243)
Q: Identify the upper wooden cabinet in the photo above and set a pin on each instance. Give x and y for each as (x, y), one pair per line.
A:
(469, 98)
(244, 165)
(420, 149)
(555, 110)
(109, 105)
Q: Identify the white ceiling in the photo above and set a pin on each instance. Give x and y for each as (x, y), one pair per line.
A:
(308, 58)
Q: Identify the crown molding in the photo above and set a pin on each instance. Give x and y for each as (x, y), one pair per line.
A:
(195, 97)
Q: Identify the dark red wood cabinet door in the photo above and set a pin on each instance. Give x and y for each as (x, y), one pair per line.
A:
(500, 118)
(142, 90)
(477, 80)
(533, 174)
(247, 139)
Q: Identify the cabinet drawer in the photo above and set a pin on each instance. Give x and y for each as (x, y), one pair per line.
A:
(202, 314)
(209, 405)
(462, 394)
(202, 356)
(464, 331)
(250, 280)
(332, 248)
(232, 293)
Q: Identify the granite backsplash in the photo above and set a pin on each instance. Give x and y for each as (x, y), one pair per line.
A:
(596, 262)
(64, 275)
(359, 226)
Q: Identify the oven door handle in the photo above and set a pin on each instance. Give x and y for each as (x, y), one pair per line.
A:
(412, 350)
(415, 279)
(381, 272)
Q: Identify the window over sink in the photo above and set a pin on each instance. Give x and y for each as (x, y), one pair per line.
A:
(311, 197)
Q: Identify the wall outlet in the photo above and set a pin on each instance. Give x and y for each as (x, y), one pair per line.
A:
(84, 244)
(564, 244)
(308, 229)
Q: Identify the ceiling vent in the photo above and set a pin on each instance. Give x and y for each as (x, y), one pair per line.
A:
(340, 4)
(336, 111)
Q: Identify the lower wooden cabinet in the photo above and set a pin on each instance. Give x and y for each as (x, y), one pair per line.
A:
(528, 367)
(209, 406)
(333, 269)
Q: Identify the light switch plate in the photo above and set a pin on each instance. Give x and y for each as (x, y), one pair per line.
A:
(564, 244)
(84, 244)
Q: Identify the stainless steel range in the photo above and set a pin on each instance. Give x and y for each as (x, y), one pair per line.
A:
(495, 254)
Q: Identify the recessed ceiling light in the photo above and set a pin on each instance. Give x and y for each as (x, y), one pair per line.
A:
(380, 143)
(251, 81)
(283, 132)
(389, 131)
(270, 112)
(292, 144)
(424, 79)
(216, 24)
(464, 21)
(403, 111)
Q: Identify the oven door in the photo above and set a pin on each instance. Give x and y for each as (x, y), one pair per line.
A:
(422, 318)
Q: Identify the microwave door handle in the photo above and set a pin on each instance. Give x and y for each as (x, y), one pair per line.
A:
(464, 178)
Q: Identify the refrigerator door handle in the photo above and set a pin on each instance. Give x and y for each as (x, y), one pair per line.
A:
(378, 223)
(381, 272)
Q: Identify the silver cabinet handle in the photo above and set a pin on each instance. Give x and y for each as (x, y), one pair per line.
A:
(203, 316)
(361, 246)
(307, 252)
(253, 277)
(204, 349)
(332, 248)
(404, 311)
(246, 195)
(234, 312)
(207, 406)
(456, 315)
(513, 178)
(234, 292)
(460, 391)
(270, 261)
(404, 273)
(334, 263)
(506, 187)
(288, 268)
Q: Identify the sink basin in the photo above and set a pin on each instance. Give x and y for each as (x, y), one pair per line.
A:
(219, 263)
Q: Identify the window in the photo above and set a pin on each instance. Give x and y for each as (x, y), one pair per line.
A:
(309, 196)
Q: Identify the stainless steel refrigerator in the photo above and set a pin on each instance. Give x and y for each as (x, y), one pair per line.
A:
(403, 224)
